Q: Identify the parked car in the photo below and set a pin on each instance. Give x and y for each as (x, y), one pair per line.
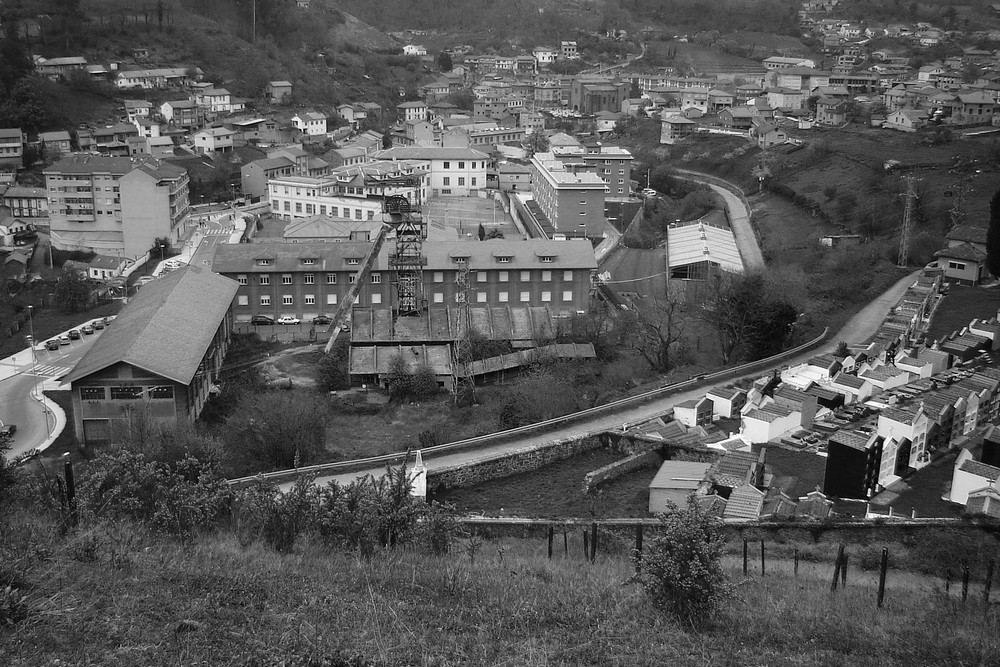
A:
(8, 429)
(261, 320)
(87, 330)
(97, 324)
(321, 319)
(288, 319)
(52, 344)
(64, 340)
(74, 334)
(145, 279)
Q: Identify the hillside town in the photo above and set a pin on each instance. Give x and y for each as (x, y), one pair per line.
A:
(409, 228)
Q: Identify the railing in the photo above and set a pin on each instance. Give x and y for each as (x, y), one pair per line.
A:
(355, 465)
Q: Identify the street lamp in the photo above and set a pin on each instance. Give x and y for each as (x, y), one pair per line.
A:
(162, 246)
(31, 341)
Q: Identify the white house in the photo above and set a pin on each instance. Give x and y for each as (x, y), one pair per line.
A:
(310, 123)
(726, 401)
(414, 50)
(453, 171)
(214, 140)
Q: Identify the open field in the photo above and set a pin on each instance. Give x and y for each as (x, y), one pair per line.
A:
(114, 594)
(960, 306)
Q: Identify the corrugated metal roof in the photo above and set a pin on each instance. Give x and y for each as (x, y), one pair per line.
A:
(698, 242)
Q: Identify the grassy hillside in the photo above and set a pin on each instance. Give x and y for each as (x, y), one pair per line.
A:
(117, 595)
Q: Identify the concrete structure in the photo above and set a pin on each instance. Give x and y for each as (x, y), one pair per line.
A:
(674, 128)
(26, 202)
(254, 176)
(309, 279)
(154, 204)
(279, 91)
(569, 195)
(214, 140)
(159, 357)
(613, 165)
(310, 123)
(162, 77)
(590, 95)
(674, 482)
(451, 171)
(11, 148)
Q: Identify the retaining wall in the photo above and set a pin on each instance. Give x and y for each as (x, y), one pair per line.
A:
(619, 468)
(512, 463)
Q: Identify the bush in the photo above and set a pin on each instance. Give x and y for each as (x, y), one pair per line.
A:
(681, 570)
(264, 512)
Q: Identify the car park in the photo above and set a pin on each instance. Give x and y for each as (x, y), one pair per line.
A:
(288, 319)
(74, 334)
(64, 340)
(321, 319)
(87, 329)
(261, 320)
(52, 344)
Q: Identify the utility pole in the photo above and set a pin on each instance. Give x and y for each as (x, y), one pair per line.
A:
(907, 230)
(957, 211)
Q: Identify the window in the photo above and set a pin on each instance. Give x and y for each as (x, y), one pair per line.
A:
(242, 279)
(243, 300)
(480, 276)
(298, 207)
(446, 191)
(583, 202)
(525, 276)
(461, 180)
(309, 260)
(546, 276)
(376, 278)
(461, 165)
(322, 209)
(439, 276)
(376, 299)
(265, 280)
(265, 300)
(357, 214)
(473, 181)
(447, 179)
(351, 278)
(263, 262)
(503, 259)
(286, 300)
(502, 276)
(161, 392)
(334, 211)
(546, 259)
(480, 297)
(309, 209)
(288, 206)
(126, 393)
(958, 266)
(447, 165)
(438, 297)
(567, 275)
(331, 299)
(353, 261)
(371, 215)
(286, 279)
(546, 297)
(503, 297)
(310, 299)
(567, 295)
(92, 393)
(525, 297)
(309, 278)
(331, 279)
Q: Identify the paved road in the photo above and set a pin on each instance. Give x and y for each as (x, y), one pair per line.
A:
(19, 405)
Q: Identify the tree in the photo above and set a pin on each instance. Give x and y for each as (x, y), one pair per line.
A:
(482, 232)
(8, 469)
(993, 237)
(444, 62)
(274, 430)
(681, 569)
(656, 327)
(72, 291)
(387, 139)
(331, 372)
(750, 314)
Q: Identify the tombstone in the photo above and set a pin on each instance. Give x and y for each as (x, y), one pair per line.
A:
(418, 477)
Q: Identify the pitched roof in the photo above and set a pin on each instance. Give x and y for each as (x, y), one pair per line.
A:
(980, 469)
(852, 439)
(744, 502)
(166, 328)
(965, 251)
(680, 475)
(429, 153)
(847, 380)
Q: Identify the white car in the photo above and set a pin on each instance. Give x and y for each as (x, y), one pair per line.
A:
(288, 319)
(649, 192)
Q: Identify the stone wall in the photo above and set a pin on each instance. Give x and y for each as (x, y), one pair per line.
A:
(619, 468)
(636, 443)
(511, 463)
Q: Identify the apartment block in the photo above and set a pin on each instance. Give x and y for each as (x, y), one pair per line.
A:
(568, 194)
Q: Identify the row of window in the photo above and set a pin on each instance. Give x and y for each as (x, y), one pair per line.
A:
(376, 299)
(335, 211)
(376, 278)
(126, 393)
(461, 180)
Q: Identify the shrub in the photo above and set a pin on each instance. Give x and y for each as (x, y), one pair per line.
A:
(681, 570)
(264, 512)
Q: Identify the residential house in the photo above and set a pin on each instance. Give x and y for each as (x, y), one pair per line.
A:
(545, 55)
(255, 175)
(736, 118)
(984, 501)
(675, 128)
(164, 77)
(278, 92)
(965, 263)
(453, 171)
(183, 113)
(727, 401)
(54, 68)
(103, 267)
(719, 100)
(154, 205)
(26, 202)
(976, 107)
(785, 99)
(694, 412)
(415, 110)
(568, 50)
(907, 120)
(11, 148)
(214, 140)
(310, 123)
(161, 355)
(414, 50)
(768, 135)
(674, 482)
(137, 109)
(831, 111)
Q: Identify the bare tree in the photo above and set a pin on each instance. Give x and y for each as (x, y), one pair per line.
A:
(657, 326)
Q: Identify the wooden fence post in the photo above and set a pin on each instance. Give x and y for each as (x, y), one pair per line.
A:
(586, 545)
(552, 533)
(593, 542)
(989, 581)
(843, 571)
(947, 582)
(746, 570)
(965, 581)
(638, 548)
(71, 494)
(565, 543)
(836, 568)
(762, 568)
(883, 566)
(796, 557)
